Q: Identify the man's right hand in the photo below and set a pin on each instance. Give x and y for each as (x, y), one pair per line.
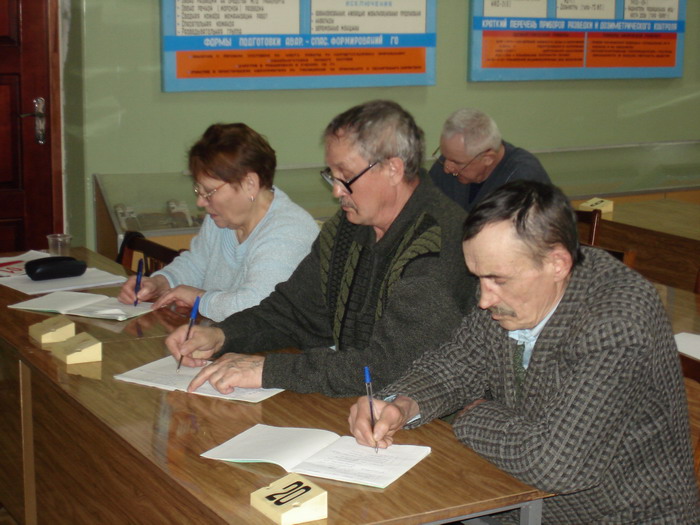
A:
(203, 342)
(389, 418)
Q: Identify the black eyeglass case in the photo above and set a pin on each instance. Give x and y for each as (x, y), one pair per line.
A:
(54, 268)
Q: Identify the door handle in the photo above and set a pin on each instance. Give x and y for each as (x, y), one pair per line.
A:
(39, 120)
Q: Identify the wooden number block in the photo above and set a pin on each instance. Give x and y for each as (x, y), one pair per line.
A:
(596, 203)
(52, 330)
(291, 499)
(82, 348)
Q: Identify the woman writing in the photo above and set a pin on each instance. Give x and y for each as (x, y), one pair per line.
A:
(252, 238)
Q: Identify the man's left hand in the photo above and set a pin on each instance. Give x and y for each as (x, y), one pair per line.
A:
(231, 371)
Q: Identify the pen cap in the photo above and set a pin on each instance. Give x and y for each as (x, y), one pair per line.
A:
(368, 378)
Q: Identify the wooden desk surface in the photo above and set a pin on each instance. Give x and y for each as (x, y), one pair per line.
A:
(167, 431)
(88, 448)
(664, 215)
(113, 452)
(683, 308)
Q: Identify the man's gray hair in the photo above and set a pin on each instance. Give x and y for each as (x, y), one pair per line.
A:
(480, 131)
(381, 129)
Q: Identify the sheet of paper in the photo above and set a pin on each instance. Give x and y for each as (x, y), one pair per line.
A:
(90, 279)
(689, 344)
(282, 446)
(14, 265)
(162, 374)
(84, 305)
(59, 301)
(346, 460)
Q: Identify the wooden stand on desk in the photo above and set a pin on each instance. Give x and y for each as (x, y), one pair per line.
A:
(82, 348)
(291, 499)
(52, 330)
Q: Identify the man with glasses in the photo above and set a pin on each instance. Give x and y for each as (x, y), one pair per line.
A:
(474, 160)
(384, 280)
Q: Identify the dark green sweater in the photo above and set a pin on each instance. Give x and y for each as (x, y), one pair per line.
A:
(379, 304)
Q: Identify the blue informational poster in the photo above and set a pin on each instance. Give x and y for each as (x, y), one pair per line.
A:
(575, 39)
(213, 45)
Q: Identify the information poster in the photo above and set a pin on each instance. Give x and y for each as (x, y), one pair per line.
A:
(297, 44)
(572, 39)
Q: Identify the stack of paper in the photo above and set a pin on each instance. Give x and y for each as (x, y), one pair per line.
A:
(85, 305)
(90, 279)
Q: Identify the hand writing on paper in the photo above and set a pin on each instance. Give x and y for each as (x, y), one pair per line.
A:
(202, 344)
(151, 287)
(389, 418)
(230, 371)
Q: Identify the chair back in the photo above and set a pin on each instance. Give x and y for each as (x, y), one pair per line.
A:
(590, 220)
(625, 256)
(155, 256)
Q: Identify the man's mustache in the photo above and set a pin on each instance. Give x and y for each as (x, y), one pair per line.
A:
(497, 310)
(347, 203)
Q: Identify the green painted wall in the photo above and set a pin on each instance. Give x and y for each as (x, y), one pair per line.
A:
(117, 120)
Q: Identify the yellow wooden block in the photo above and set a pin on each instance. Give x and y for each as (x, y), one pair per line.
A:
(596, 203)
(291, 499)
(52, 330)
(82, 348)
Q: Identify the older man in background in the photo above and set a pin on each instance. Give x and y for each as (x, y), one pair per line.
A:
(384, 280)
(474, 160)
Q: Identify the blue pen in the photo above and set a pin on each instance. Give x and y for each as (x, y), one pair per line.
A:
(370, 396)
(139, 276)
(193, 316)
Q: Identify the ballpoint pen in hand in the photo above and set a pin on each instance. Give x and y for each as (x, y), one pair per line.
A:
(370, 396)
(193, 316)
(139, 276)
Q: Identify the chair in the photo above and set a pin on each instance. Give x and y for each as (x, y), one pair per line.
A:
(625, 256)
(697, 282)
(155, 256)
(592, 219)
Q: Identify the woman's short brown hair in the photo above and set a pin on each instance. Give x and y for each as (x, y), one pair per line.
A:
(229, 151)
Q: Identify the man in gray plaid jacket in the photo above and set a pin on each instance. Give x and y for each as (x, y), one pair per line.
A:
(567, 376)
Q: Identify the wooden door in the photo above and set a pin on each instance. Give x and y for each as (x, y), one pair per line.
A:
(31, 196)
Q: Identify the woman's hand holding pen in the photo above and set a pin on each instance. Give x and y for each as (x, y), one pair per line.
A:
(203, 342)
(389, 418)
(150, 287)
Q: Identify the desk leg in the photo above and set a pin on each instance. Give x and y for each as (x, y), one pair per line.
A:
(25, 381)
(531, 513)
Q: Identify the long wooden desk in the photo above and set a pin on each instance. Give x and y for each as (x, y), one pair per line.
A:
(664, 215)
(77, 446)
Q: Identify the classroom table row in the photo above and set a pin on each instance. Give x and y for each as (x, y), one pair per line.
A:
(91, 449)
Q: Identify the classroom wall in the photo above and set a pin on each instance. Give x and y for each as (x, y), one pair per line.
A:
(117, 120)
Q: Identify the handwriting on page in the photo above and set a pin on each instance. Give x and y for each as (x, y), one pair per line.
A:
(345, 458)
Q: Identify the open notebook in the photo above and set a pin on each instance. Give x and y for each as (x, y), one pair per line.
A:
(162, 374)
(85, 305)
(320, 453)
